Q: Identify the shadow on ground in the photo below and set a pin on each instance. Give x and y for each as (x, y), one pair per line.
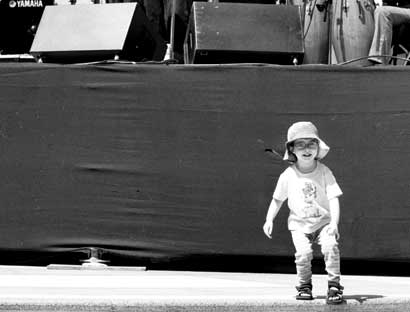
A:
(358, 298)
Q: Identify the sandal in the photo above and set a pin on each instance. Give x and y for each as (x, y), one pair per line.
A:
(304, 293)
(335, 294)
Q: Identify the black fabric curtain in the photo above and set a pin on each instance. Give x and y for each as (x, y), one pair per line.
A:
(160, 162)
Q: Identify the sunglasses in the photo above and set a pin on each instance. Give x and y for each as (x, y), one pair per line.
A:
(301, 145)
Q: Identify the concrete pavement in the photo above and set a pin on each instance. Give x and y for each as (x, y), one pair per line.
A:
(130, 289)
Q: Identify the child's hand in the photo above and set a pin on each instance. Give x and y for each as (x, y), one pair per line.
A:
(333, 230)
(267, 228)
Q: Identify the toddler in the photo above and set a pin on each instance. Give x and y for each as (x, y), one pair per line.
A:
(313, 200)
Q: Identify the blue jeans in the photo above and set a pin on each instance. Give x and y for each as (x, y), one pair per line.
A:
(385, 18)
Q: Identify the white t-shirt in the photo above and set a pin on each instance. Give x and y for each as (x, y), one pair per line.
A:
(308, 196)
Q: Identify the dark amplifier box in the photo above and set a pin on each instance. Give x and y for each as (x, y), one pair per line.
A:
(243, 33)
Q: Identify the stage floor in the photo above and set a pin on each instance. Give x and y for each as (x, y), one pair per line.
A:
(130, 289)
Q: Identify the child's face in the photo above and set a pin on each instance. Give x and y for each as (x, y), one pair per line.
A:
(305, 150)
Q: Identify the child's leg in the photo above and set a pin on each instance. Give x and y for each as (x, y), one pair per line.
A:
(330, 251)
(303, 258)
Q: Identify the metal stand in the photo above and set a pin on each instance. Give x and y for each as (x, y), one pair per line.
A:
(94, 260)
(330, 29)
(172, 30)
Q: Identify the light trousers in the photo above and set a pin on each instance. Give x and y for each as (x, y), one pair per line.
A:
(385, 18)
(304, 254)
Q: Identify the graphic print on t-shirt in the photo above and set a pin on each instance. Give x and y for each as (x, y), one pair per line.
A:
(310, 207)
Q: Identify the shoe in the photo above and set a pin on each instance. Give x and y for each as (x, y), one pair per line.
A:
(304, 292)
(335, 294)
(374, 61)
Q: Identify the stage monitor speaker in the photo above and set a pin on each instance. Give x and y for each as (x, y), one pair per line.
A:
(243, 33)
(95, 32)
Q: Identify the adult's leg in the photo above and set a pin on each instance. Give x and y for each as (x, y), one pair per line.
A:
(182, 12)
(385, 18)
(154, 10)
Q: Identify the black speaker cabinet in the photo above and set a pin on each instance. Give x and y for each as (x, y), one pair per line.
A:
(243, 33)
(18, 23)
(85, 33)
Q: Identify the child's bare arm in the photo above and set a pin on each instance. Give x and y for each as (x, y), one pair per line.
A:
(334, 217)
(271, 215)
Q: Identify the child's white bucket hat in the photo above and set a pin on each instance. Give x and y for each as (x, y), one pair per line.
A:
(305, 130)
